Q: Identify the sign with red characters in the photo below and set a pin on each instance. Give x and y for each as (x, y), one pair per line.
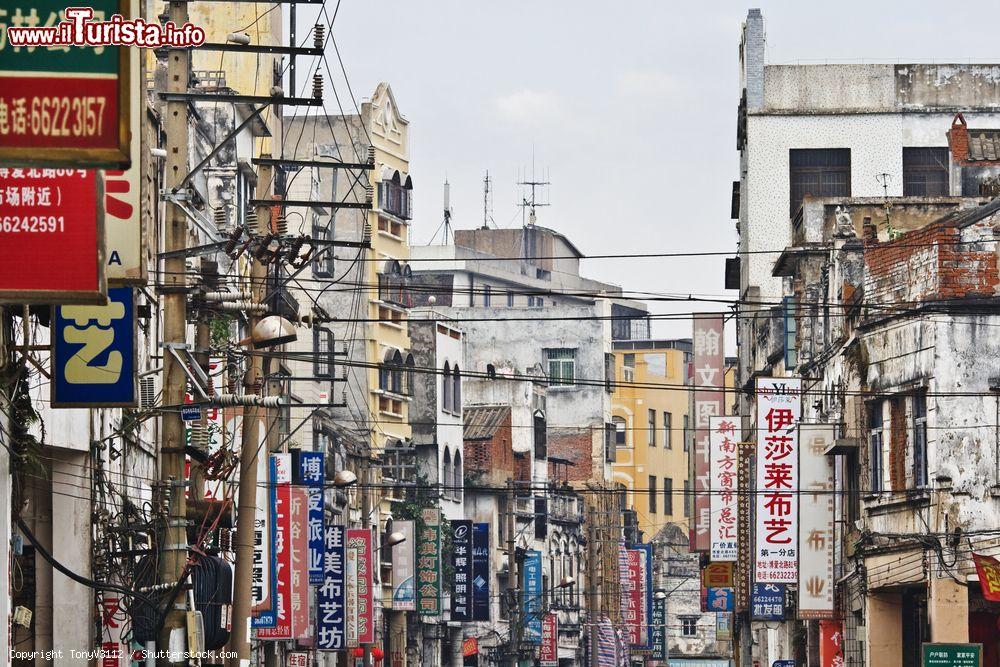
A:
(709, 401)
(723, 472)
(548, 655)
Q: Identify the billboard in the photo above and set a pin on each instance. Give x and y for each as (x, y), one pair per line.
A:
(299, 557)
(311, 473)
(331, 630)
(404, 595)
(359, 549)
(262, 588)
(429, 564)
(64, 105)
(461, 597)
(777, 502)
(481, 572)
(632, 587)
(723, 481)
(51, 227)
(548, 654)
(94, 353)
(281, 532)
(767, 602)
(816, 519)
(658, 629)
(709, 400)
(533, 596)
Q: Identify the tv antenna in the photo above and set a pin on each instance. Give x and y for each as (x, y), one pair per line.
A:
(529, 205)
(446, 222)
(487, 202)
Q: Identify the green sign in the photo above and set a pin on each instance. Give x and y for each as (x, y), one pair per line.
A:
(658, 628)
(952, 655)
(63, 105)
(429, 564)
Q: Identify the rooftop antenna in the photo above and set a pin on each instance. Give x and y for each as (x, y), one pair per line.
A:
(884, 179)
(529, 205)
(487, 202)
(446, 222)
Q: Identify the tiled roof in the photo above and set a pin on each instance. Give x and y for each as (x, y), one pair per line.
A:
(984, 145)
(482, 422)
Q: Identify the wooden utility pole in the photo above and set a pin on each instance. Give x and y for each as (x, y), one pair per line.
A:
(250, 450)
(513, 578)
(592, 570)
(173, 552)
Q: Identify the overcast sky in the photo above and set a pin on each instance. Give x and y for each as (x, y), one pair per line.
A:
(629, 107)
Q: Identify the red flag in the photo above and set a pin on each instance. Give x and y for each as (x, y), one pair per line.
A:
(988, 568)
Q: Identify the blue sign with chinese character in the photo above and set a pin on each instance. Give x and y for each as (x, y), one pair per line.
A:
(94, 353)
(767, 602)
(533, 597)
(480, 571)
(310, 473)
(268, 618)
(719, 599)
(331, 619)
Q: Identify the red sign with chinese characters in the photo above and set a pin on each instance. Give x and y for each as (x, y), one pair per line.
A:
(632, 596)
(831, 644)
(283, 548)
(49, 230)
(988, 569)
(548, 655)
(302, 629)
(778, 413)
(709, 399)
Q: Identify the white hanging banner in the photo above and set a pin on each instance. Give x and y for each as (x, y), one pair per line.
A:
(816, 522)
(722, 474)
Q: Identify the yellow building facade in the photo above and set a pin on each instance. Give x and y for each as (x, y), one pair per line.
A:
(651, 419)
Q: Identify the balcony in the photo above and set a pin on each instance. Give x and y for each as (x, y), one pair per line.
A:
(566, 509)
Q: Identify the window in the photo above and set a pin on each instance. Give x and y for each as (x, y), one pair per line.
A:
(621, 439)
(541, 435)
(668, 422)
(628, 367)
(446, 474)
(541, 517)
(609, 373)
(651, 428)
(610, 448)
(447, 386)
(324, 350)
(390, 377)
(562, 366)
(408, 375)
(510, 299)
(687, 427)
(689, 626)
(820, 172)
(486, 295)
(925, 172)
(920, 440)
(322, 263)
(456, 390)
(668, 495)
(687, 498)
(652, 494)
(395, 196)
(791, 333)
(875, 446)
(456, 481)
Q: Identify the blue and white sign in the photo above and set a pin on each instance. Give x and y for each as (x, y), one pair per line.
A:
(783, 663)
(311, 474)
(767, 602)
(191, 413)
(94, 353)
(266, 615)
(331, 617)
(533, 597)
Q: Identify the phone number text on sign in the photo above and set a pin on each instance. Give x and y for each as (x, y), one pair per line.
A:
(34, 118)
(49, 224)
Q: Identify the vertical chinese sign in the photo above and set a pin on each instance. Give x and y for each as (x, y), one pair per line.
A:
(831, 644)
(776, 544)
(94, 353)
(262, 588)
(658, 629)
(548, 654)
(311, 474)
(461, 542)
(63, 105)
(533, 596)
(359, 549)
(631, 588)
(481, 572)
(299, 573)
(723, 473)
(281, 531)
(741, 581)
(816, 517)
(709, 398)
(331, 628)
(429, 564)
(404, 596)
(51, 233)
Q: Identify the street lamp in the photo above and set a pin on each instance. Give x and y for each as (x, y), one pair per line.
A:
(344, 478)
(394, 538)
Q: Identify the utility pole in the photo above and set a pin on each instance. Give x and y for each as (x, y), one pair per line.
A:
(173, 552)
(366, 509)
(592, 615)
(246, 508)
(513, 576)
